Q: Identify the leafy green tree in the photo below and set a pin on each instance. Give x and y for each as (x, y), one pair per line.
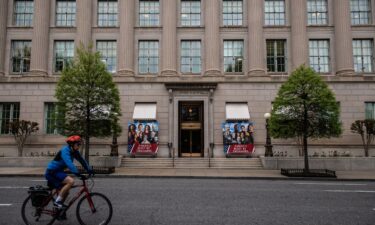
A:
(305, 107)
(365, 128)
(21, 130)
(88, 99)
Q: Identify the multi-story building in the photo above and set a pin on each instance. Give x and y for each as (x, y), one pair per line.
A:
(188, 64)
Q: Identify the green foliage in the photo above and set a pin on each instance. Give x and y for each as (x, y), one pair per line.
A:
(21, 130)
(88, 99)
(365, 128)
(305, 96)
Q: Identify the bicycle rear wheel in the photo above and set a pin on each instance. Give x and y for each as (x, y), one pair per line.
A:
(37, 215)
(99, 213)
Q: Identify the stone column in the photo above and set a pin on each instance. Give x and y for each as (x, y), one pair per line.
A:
(126, 40)
(212, 38)
(169, 39)
(256, 40)
(3, 33)
(40, 42)
(299, 40)
(343, 38)
(84, 22)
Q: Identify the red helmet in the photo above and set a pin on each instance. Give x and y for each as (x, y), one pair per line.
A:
(73, 139)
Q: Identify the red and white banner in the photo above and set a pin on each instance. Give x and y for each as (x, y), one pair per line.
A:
(246, 149)
(144, 149)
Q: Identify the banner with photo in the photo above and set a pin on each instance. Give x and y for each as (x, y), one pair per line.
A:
(238, 138)
(143, 137)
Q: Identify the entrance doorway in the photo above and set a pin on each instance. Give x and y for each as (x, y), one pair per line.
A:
(190, 133)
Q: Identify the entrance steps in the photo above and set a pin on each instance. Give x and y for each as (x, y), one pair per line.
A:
(228, 163)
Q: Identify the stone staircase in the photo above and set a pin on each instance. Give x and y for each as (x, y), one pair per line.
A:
(228, 163)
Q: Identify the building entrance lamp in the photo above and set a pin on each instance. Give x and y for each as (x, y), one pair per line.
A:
(268, 146)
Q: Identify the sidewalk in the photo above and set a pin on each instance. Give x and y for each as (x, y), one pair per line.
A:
(195, 173)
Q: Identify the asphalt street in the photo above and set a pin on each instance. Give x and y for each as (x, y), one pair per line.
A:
(151, 201)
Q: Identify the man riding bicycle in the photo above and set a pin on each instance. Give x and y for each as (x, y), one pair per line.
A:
(55, 174)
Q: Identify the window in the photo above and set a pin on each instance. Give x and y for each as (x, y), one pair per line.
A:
(232, 13)
(21, 54)
(148, 60)
(274, 12)
(360, 11)
(107, 13)
(149, 13)
(233, 56)
(276, 55)
(108, 50)
(63, 54)
(190, 13)
(190, 56)
(363, 55)
(319, 55)
(9, 112)
(23, 13)
(317, 12)
(65, 13)
(50, 118)
(370, 110)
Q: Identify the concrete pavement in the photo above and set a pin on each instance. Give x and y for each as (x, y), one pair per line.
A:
(194, 173)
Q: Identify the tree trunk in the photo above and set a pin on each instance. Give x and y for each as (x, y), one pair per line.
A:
(305, 134)
(87, 135)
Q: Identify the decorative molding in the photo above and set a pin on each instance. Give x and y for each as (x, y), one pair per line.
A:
(213, 73)
(169, 73)
(125, 73)
(191, 86)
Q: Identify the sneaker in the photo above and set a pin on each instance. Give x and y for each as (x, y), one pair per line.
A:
(62, 216)
(59, 205)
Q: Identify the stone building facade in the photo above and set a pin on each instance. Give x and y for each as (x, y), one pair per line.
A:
(176, 53)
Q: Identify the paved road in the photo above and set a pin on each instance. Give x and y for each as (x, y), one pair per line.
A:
(147, 201)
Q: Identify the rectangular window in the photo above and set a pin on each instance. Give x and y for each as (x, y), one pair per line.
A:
(232, 13)
(363, 55)
(190, 13)
(50, 118)
(63, 54)
(107, 13)
(108, 51)
(191, 57)
(274, 12)
(65, 13)
(276, 55)
(9, 112)
(233, 56)
(148, 60)
(317, 12)
(149, 13)
(319, 55)
(21, 54)
(370, 110)
(23, 11)
(360, 12)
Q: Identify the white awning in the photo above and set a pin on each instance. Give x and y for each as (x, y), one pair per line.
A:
(237, 111)
(144, 111)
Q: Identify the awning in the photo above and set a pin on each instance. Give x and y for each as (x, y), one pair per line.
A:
(237, 111)
(144, 111)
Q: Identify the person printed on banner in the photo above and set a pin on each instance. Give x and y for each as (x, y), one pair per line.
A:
(147, 135)
(242, 136)
(139, 137)
(227, 135)
(131, 134)
(235, 134)
(250, 133)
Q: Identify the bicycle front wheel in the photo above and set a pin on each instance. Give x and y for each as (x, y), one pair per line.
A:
(97, 209)
(37, 215)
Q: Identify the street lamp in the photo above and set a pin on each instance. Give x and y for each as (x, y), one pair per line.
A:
(114, 145)
(268, 146)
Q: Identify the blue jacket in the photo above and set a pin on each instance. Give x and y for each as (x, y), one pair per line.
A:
(64, 159)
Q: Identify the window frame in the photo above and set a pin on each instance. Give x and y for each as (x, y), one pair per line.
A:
(65, 58)
(230, 13)
(190, 56)
(190, 13)
(362, 56)
(28, 17)
(368, 112)
(268, 21)
(314, 20)
(319, 56)
(107, 22)
(275, 57)
(22, 57)
(152, 55)
(148, 23)
(110, 52)
(50, 120)
(233, 57)
(72, 15)
(358, 21)
(14, 115)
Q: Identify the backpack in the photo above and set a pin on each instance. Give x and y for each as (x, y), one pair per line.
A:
(39, 195)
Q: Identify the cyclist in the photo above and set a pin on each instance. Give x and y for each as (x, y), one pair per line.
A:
(55, 174)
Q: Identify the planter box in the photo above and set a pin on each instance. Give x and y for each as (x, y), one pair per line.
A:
(330, 163)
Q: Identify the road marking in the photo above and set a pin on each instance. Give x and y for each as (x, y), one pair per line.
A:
(5, 205)
(338, 184)
(350, 191)
(12, 187)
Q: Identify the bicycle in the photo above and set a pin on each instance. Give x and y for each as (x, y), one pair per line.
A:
(92, 208)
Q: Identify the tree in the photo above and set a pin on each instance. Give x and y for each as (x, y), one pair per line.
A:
(365, 128)
(88, 99)
(305, 107)
(21, 130)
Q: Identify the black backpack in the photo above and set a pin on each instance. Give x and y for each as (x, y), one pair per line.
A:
(39, 195)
